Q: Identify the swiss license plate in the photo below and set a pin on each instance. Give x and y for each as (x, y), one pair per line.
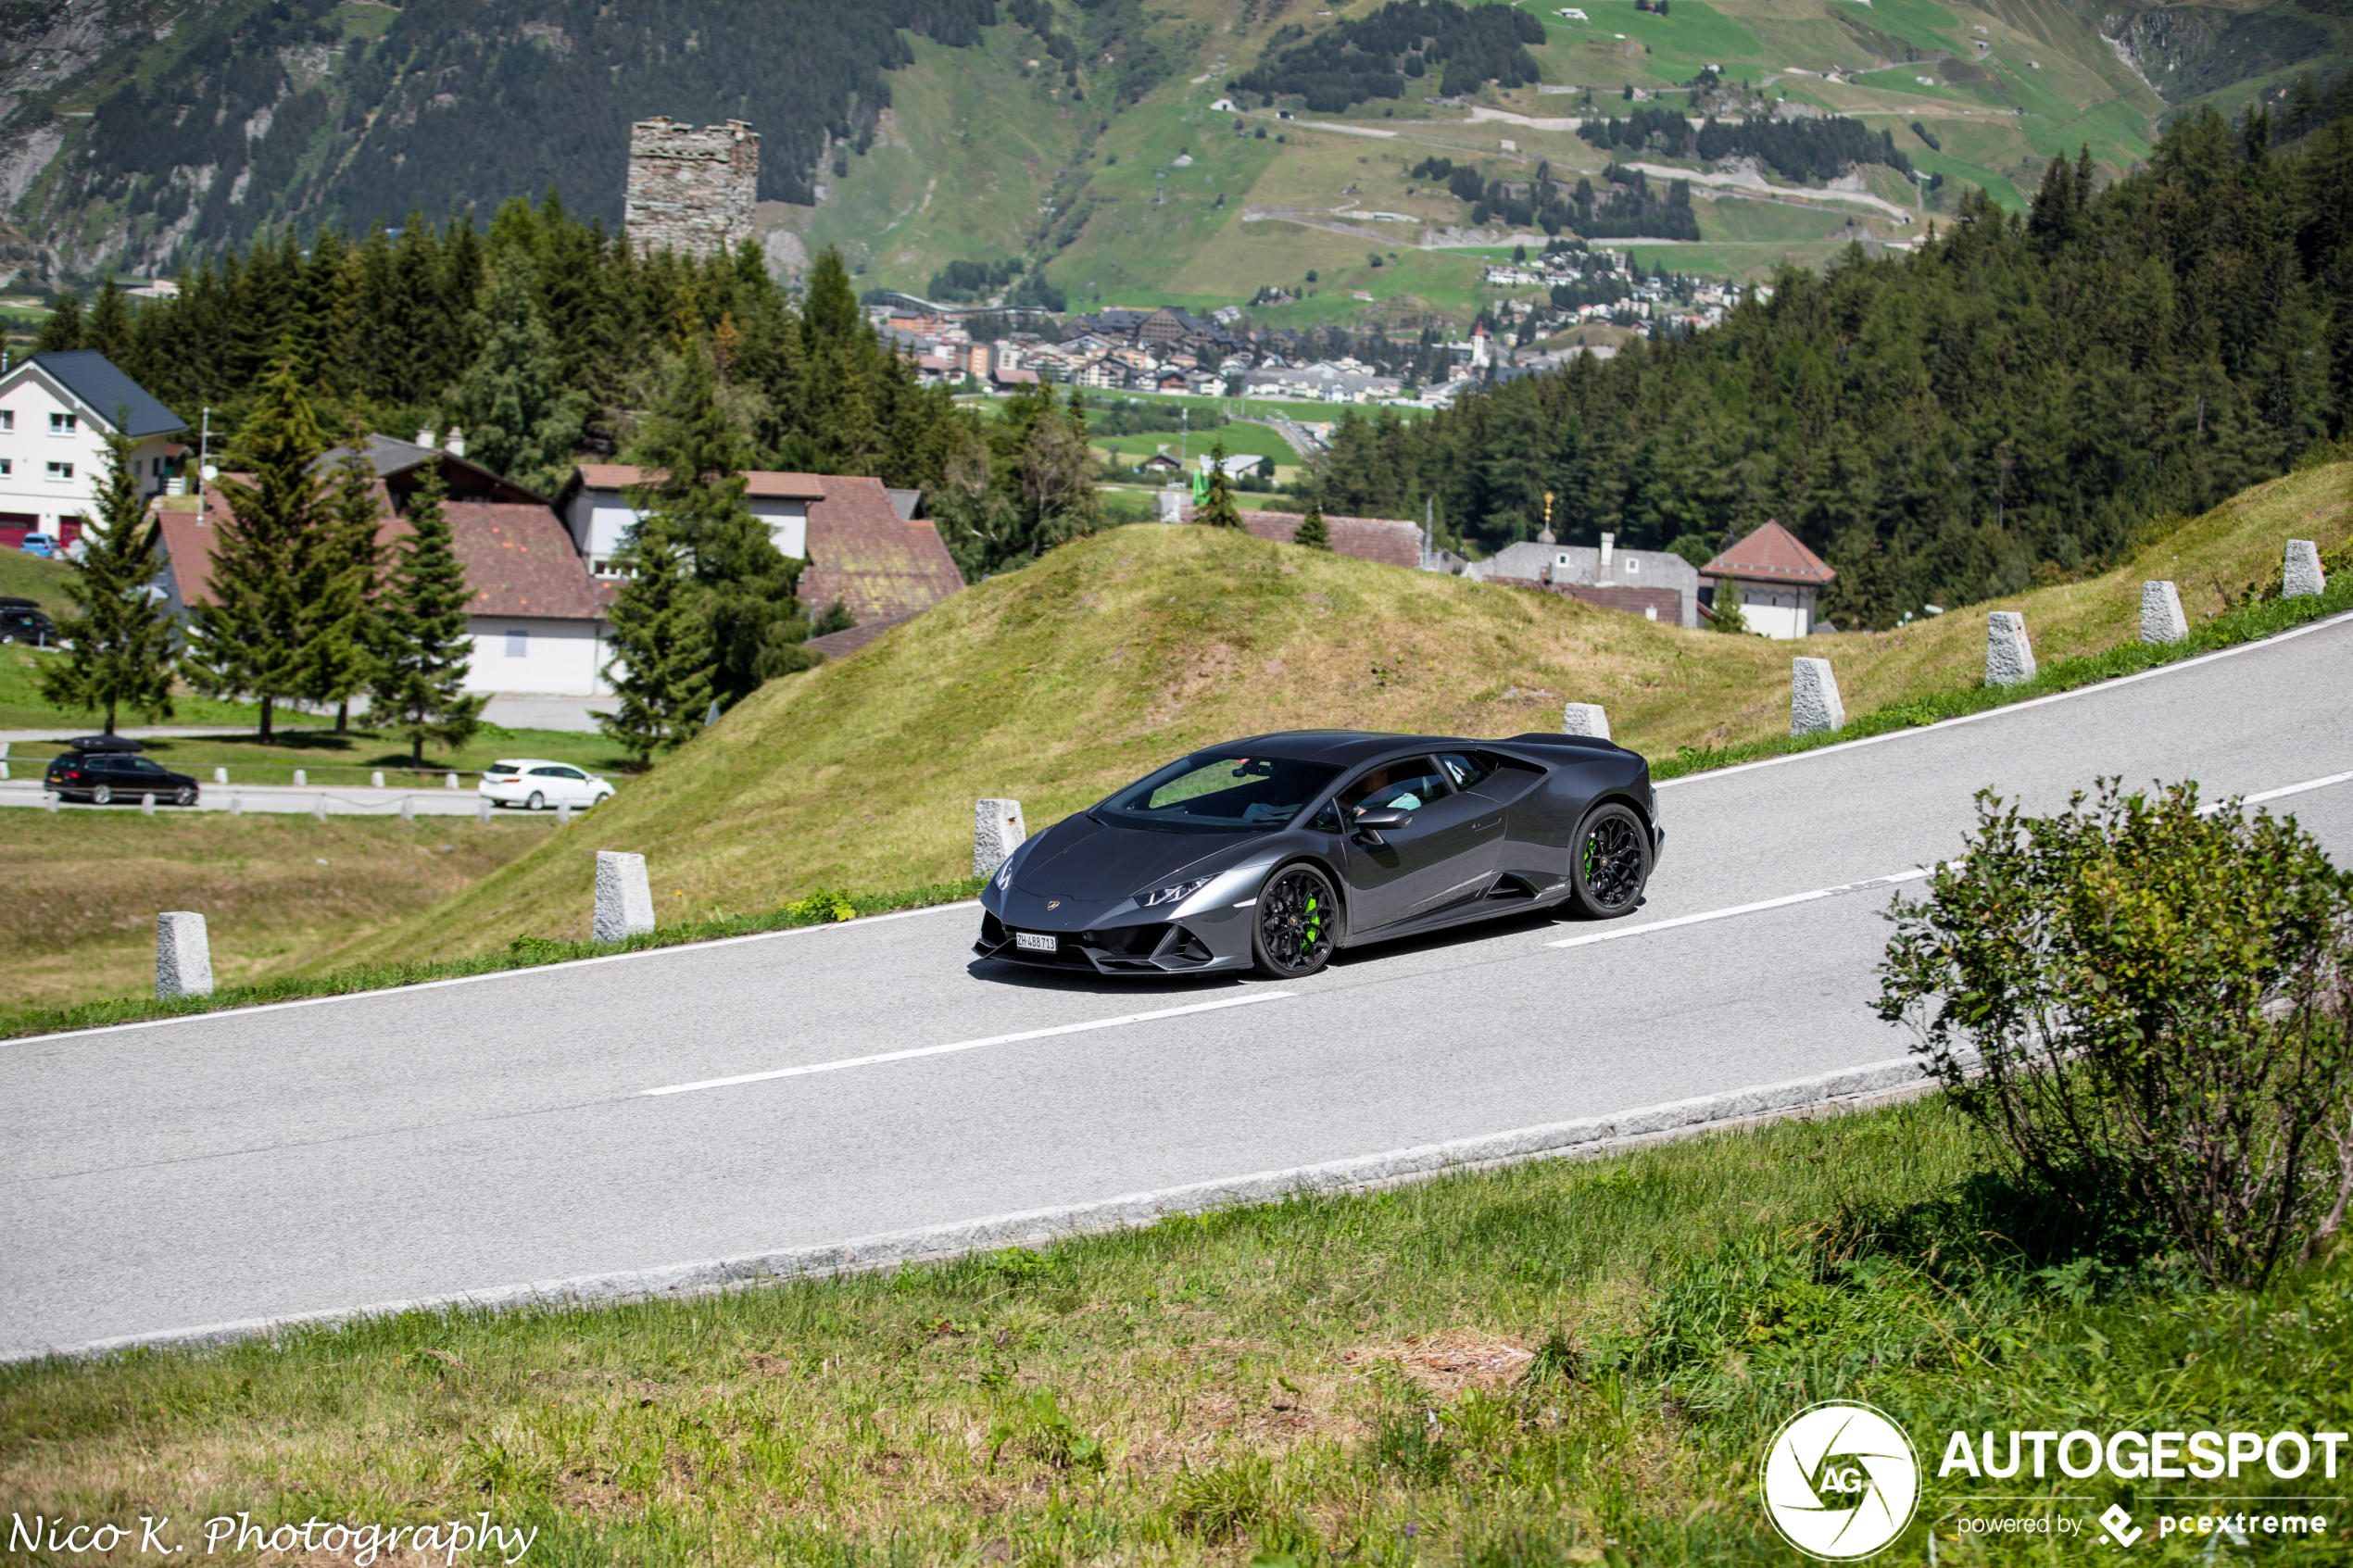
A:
(1033, 942)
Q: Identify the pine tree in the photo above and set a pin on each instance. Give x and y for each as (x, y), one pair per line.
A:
(1313, 533)
(418, 633)
(694, 450)
(340, 570)
(1219, 509)
(520, 420)
(62, 332)
(118, 642)
(108, 328)
(661, 648)
(1726, 610)
(248, 639)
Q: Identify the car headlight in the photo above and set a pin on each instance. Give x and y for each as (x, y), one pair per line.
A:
(1174, 894)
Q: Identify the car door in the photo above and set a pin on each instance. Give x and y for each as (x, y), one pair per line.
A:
(578, 790)
(1444, 853)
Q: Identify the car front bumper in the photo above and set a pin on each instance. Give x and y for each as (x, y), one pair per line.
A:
(1112, 939)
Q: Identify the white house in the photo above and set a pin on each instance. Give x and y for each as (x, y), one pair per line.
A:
(537, 618)
(1778, 580)
(597, 511)
(55, 411)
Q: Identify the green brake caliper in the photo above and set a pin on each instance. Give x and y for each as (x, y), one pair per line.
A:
(1315, 922)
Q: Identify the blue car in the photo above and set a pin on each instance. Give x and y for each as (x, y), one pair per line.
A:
(42, 544)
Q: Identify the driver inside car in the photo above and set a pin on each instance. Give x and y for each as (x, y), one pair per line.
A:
(1402, 787)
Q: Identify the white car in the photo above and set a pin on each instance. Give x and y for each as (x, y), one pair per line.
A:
(535, 784)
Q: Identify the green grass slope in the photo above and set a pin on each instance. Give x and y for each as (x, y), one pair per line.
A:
(985, 156)
(1056, 683)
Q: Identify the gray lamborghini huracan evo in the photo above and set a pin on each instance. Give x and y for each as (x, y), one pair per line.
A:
(1276, 851)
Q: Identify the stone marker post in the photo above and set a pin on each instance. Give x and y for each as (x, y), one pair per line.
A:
(2009, 658)
(624, 900)
(482, 807)
(183, 957)
(2161, 617)
(563, 814)
(51, 802)
(997, 832)
(1814, 708)
(2300, 575)
(220, 775)
(236, 805)
(148, 804)
(407, 809)
(319, 808)
(302, 777)
(1585, 719)
(376, 779)
(450, 781)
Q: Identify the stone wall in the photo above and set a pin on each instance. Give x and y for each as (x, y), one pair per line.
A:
(690, 191)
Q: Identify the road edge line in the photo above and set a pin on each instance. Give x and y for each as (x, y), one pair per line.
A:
(2001, 710)
(1853, 1088)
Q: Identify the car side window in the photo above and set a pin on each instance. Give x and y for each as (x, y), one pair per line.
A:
(547, 773)
(144, 765)
(1463, 772)
(1406, 786)
(568, 772)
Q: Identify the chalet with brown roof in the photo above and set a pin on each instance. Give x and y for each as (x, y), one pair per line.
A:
(862, 543)
(1779, 580)
(539, 621)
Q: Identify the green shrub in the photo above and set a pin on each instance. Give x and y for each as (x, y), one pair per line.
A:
(2143, 1005)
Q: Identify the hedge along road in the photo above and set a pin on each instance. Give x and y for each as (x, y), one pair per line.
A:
(500, 1139)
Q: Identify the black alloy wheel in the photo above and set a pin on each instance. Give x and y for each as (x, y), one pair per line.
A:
(102, 796)
(535, 802)
(1609, 863)
(1295, 925)
(187, 796)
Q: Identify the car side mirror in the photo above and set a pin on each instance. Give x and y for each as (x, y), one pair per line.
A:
(1383, 818)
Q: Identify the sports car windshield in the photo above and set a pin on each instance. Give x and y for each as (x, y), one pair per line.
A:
(1220, 792)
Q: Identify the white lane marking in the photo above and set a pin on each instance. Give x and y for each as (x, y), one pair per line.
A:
(1762, 904)
(850, 1061)
(1912, 876)
(2292, 789)
(2006, 708)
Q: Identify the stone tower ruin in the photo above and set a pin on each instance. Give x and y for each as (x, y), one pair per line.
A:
(690, 191)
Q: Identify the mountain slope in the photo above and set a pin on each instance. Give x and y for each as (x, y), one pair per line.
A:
(134, 135)
(1057, 682)
(146, 141)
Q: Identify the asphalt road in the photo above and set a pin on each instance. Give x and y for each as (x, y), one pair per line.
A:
(484, 1135)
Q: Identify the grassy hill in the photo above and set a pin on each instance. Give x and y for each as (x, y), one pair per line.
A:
(1056, 682)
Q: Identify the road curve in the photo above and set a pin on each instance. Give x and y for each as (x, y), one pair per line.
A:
(476, 1136)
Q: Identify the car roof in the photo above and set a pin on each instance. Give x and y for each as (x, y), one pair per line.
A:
(528, 762)
(1341, 748)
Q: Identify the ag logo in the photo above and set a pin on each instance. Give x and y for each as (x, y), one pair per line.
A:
(1840, 1480)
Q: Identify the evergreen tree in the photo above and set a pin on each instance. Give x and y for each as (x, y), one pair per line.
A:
(119, 651)
(62, 331)
(418, 632)
(108, 329)
(519, 418)
(248, 639)
(1219, 509)
(693, 453)
(340, 570)
(1726, 610)
(661, 648)
(1313, 531)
